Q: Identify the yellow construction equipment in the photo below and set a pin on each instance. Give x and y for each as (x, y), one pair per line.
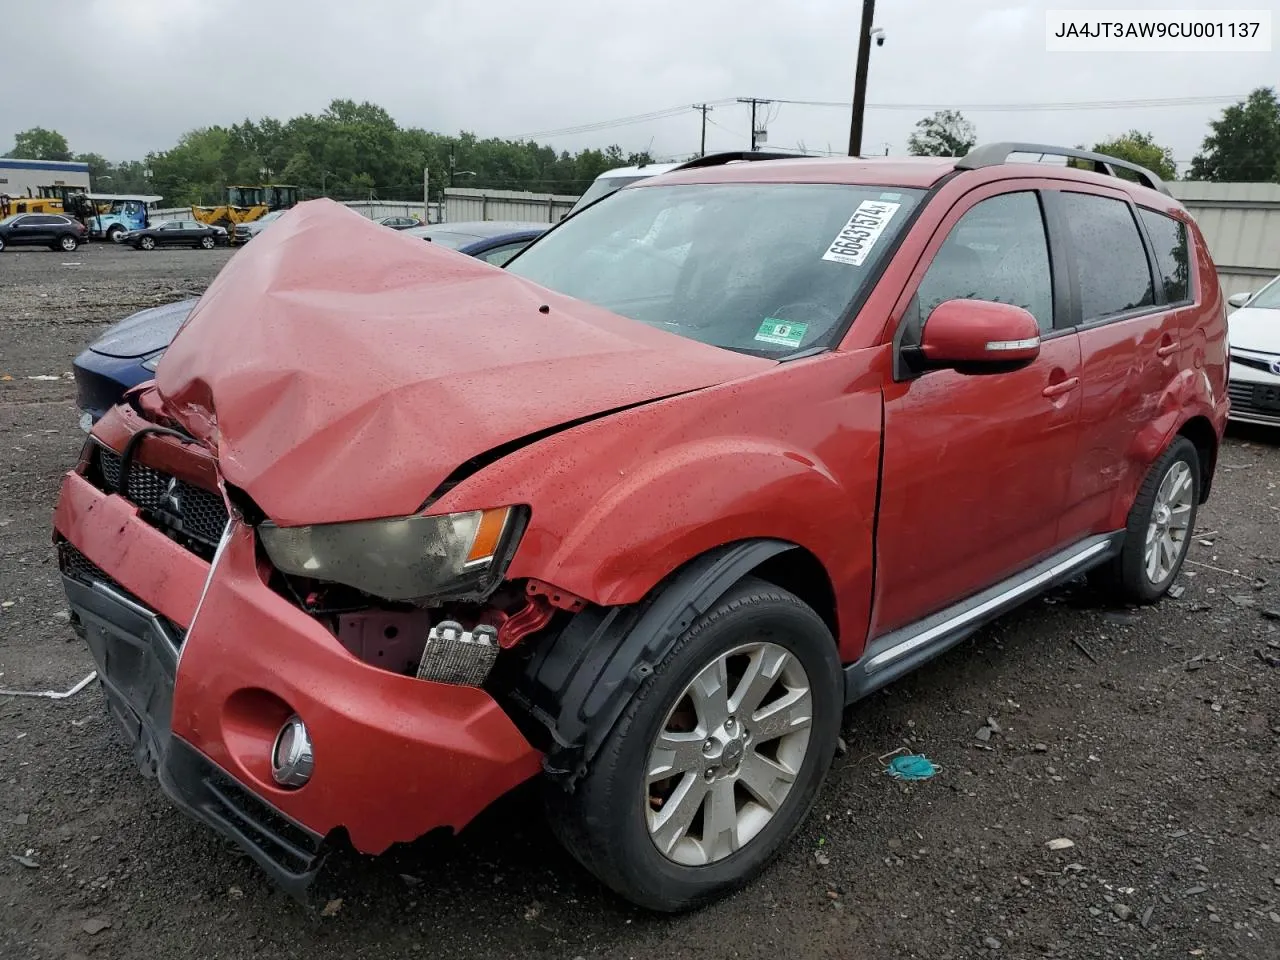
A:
(246, 204)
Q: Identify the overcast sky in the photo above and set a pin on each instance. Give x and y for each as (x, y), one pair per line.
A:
(129, 76)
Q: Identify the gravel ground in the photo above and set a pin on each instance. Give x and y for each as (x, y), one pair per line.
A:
(1147, 738)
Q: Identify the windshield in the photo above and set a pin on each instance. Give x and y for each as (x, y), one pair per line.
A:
(1268, 298)
(602, 187)
(11, 218)
(766, 269)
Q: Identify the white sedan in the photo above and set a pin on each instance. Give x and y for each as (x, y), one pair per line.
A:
(1254, 335)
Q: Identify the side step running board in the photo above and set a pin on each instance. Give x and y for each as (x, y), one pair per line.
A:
(889, 657)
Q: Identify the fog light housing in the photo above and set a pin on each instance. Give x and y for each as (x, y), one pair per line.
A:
(291, 756)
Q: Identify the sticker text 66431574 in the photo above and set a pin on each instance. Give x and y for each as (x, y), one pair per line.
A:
(855, 242)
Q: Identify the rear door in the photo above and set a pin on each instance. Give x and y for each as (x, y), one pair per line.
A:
(976, 467)
(1129, 346)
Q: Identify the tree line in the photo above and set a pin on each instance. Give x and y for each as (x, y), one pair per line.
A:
(356, 151)
(351, 151)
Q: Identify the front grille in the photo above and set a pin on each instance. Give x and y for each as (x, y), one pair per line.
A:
(173, 505)
(1243, 401)
(77, 566)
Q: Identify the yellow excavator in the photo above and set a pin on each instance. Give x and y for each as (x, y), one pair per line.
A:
(246, 204)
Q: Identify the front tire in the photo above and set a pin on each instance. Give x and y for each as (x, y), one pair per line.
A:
(113, 234)
(717, 758)
(1158, 532)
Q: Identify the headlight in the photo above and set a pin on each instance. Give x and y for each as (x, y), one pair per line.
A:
(404, 558)
(151, 362)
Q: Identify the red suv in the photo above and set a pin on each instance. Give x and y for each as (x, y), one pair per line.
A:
(639, 515)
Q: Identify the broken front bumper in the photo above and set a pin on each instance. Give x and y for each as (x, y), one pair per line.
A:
(202, 697)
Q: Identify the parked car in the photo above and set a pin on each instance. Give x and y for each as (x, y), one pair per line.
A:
(1255, 355)
(127, 353)
(639, 515)
(50, 230)
(244, 232)
(400, 223)
(493, 241)
(176, 233)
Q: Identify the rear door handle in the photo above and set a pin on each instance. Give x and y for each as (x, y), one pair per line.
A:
(1061, 387)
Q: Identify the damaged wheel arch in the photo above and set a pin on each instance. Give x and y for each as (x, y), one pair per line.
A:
(577, 683)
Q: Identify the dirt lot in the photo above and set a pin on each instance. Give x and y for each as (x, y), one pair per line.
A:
(1150, 738)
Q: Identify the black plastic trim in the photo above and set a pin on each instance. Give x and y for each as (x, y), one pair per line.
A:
(578, 683)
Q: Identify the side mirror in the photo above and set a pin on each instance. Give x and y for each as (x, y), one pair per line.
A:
(1239, 299)
(978, 336)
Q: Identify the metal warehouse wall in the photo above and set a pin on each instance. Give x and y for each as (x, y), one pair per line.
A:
(373, 209)
(1241, 222)
(462, 204)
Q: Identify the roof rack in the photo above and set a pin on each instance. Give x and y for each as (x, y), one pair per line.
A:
(734, 156)
(994, 154)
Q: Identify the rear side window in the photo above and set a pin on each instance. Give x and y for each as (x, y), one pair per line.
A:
(1169, 239)
(998, 252)
(1112, 263)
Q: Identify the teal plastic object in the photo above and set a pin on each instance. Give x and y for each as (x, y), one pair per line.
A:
(911, 767)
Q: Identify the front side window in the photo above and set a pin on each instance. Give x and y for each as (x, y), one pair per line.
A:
(997, 252)
(1114, 274)
(1169, 239)
(765, 269)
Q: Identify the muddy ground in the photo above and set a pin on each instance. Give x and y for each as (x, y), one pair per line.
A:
(1149, 738)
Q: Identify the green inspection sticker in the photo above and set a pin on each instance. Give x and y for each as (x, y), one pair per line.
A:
(782, 332)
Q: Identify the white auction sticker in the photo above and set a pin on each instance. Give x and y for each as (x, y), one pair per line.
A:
(853, 243)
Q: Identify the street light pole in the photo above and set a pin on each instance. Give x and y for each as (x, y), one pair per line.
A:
(860, 77)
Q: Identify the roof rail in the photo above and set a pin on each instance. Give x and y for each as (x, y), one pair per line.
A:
(734, 156)
(994, 154)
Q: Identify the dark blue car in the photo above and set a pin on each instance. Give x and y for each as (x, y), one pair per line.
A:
(127, 353)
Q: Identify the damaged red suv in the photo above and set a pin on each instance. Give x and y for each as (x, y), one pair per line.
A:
(395, 530)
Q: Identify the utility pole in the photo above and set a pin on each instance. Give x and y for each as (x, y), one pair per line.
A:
(754, 103)
(453, 163)
(426, 194)
(860, 77)
(703, 109)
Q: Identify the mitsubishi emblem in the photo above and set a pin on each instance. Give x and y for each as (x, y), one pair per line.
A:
(170, 501)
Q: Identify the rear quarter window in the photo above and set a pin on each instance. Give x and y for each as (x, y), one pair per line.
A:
(1169, 240)
(1114, 274)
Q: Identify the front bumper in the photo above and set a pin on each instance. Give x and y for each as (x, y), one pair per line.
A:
(396, 757)
(1255, 393)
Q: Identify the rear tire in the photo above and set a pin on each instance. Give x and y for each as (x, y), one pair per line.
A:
(734, 798)
(147, 243)
(1158, 533)
(206, 243)
(68, 244)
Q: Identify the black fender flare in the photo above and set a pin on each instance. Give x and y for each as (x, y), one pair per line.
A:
(577, 683)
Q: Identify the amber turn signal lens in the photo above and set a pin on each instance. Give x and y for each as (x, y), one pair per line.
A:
(488, 534)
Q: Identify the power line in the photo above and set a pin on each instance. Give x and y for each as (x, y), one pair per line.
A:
(620, 121)
(1015, 107)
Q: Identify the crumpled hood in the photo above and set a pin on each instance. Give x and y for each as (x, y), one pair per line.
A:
(144, 332)
(342, 370)
(1255, 328)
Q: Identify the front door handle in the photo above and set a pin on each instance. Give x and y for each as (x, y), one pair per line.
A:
(1061, 387)
(1166, 349)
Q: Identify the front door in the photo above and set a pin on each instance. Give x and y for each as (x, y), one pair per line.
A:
(976, 466)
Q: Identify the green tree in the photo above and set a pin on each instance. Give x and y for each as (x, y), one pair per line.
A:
(1244, 144)
(944, 134)
(99, 168)
(39, 144)
(1142, 149)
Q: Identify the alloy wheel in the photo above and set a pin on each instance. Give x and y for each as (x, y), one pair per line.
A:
(728, 753)
(1170, 523)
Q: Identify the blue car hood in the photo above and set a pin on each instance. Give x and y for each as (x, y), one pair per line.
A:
(144, 332)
